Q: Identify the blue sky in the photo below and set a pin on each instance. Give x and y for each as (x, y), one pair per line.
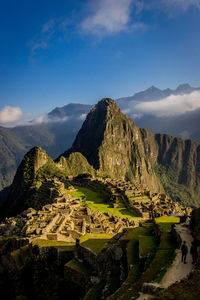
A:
(56, 52)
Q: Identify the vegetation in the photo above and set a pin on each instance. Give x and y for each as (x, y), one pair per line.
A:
(93, 200)
(147, 245)
(96, 245)
(80, 267)
(53, 243)
(165, 223)
(156, 266)
(188, 288)
(38, 278)
(93, 241)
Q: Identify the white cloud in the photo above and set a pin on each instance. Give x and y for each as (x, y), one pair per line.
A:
(46, 119)
(13, 116)
(110, 17)
(53, 29)
(10, 114)
(181, 4)
(173, 105)
(136, 116)
(126, 111)
(185, 134)
(83, 116)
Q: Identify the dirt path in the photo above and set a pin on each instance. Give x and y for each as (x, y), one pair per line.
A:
(178, 270)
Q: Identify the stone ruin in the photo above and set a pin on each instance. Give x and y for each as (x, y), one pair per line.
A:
(67, 219)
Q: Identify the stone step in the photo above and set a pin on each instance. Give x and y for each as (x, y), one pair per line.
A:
(151, 288)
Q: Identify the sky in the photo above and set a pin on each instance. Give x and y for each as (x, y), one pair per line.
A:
(54, 52)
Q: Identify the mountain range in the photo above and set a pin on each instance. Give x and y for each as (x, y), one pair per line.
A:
(63, 124)
(109, 144)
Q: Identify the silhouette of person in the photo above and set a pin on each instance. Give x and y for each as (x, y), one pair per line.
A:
(184, 250)
(194, 252)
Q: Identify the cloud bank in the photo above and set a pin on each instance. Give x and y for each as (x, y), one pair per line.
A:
(173, 105)
(45, 118)
(14, 116)
(10, 114)
(110, 17)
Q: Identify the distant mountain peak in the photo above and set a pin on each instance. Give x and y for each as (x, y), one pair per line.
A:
(153, 88)
(184, 88)
(184, 85)
(105, 102)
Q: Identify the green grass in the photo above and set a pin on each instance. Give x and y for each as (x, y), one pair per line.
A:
(79, 267)
(93, 200)
(87, 236)
(197, 214)
(141, 243)
(165, 223)
(147, 245)
(187, 289)
(95, 292)
(95, 242)
(52, 243)
(90, 240)
(95, 245)
(133, 243)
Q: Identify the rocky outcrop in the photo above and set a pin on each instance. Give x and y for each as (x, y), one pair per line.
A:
(24, 177)
(110, 145)
(114, 145)
(117, 148)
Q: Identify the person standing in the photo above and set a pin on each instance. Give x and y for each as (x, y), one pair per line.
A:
(184, 250)
(194, 252)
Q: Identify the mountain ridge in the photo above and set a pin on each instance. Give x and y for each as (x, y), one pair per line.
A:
(56, 136)
(149, 155)
(109, 144)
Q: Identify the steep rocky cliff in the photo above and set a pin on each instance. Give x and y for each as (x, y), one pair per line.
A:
(109, 144)
(117, 148)
(21, 187)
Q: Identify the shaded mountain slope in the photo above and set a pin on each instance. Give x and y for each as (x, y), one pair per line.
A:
(116, 147)
(113, 145)
(15, 142)
(109, 144)
(20, 191)
(58, 134)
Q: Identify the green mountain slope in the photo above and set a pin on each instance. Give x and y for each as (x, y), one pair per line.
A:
(15, 142)
(109, 144)
(117, 148)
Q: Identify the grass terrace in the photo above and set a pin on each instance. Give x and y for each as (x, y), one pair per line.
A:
(143, 243)
(165, 223)
(95, 242)
(79, 267)
(94, 201)
(53, 243)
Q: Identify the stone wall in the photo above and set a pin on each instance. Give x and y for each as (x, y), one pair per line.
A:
(64, 256)
(87, 255)
(78, 278)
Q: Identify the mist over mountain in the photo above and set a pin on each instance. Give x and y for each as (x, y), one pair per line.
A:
(153, 93)
(116, 147)
(56, 132)
(54, 137)
(109, 144)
